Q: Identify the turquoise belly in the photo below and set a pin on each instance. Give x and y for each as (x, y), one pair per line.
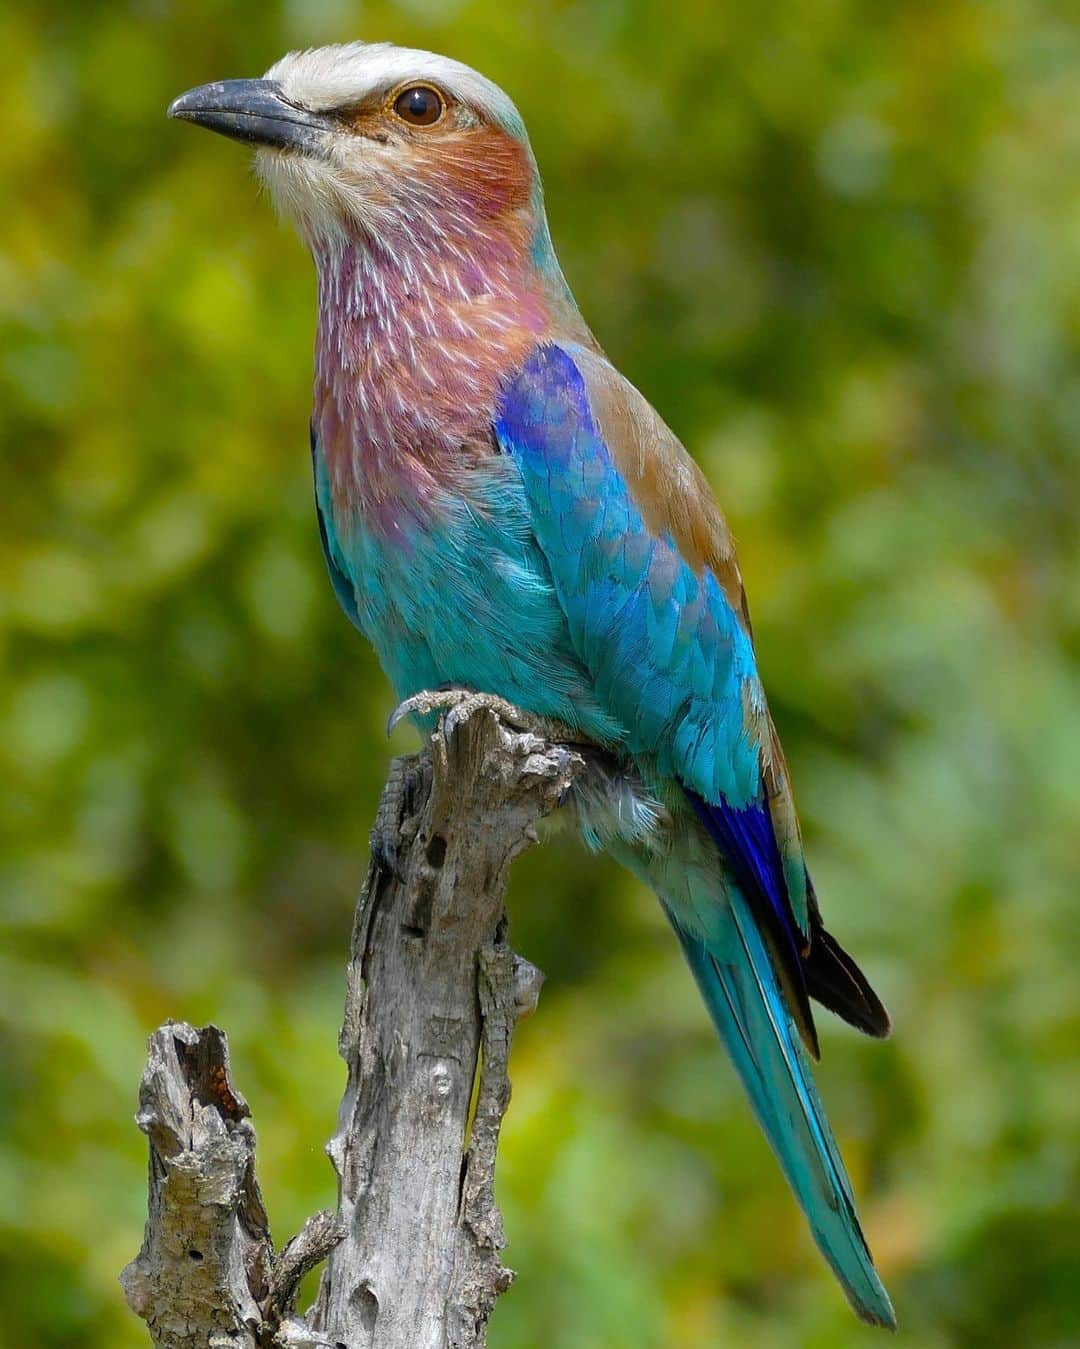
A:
(463, 597)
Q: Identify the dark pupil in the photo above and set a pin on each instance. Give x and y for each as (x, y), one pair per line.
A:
(419, 105)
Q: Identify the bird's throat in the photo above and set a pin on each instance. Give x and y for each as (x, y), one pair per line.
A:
(412, 348)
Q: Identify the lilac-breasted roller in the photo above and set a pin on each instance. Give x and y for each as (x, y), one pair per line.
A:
(501, 511)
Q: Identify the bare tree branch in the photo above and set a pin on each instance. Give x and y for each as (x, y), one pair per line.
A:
(433, 992)
(204, 1268)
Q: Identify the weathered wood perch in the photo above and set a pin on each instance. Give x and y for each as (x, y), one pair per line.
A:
(432, 994)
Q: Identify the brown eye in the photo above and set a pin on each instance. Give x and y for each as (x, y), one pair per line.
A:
(419, 106)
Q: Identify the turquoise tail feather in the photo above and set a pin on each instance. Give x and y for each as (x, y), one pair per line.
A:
(735, 974)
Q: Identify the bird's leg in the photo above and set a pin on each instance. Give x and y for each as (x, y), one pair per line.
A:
(458, 704)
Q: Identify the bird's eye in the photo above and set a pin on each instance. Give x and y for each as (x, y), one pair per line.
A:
(419, 105)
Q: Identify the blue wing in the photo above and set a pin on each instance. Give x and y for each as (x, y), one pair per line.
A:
(669, 653)
(668, 648)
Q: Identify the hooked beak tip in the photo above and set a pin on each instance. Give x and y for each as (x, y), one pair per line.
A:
(253, 111)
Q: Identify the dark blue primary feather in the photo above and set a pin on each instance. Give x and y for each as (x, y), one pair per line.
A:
(825, 971)
(747, 840)
(748, 845)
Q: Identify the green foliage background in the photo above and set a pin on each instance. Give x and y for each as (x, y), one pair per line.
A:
(839, 246)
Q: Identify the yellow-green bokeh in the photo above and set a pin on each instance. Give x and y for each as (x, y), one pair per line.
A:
(838, 245)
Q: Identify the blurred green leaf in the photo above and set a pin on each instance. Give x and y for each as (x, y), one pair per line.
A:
(839, 247)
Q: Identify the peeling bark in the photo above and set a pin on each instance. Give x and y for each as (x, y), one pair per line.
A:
(432, 995)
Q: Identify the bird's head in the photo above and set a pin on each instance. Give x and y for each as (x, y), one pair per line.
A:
(385, 145)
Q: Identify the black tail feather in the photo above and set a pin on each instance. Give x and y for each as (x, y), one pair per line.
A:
(834, 980)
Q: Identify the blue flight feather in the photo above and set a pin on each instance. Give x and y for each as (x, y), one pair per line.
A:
(748, 842)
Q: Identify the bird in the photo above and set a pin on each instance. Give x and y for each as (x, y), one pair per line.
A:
(503, 515)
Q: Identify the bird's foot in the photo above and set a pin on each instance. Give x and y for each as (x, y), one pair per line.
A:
(396, 804)
(457, 705)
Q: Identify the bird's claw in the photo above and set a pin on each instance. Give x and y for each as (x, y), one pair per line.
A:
(457, 705)
(425, 703)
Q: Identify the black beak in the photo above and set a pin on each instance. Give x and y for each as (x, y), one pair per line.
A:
(255, 111)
